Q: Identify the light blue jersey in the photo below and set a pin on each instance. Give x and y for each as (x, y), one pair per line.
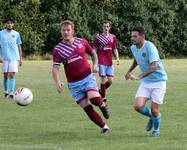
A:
(9, 42)
(144, 57)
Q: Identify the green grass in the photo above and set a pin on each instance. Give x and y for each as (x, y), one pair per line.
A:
(54, 122)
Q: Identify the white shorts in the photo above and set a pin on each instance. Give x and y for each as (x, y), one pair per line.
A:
(10, 66)
(153, 91)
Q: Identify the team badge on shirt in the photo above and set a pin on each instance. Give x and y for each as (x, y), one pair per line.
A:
(143, 55)
(13, 36)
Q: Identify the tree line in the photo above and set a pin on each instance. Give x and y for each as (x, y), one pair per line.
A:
(38, 22)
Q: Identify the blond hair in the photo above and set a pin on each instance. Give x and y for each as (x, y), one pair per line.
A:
(67, 22)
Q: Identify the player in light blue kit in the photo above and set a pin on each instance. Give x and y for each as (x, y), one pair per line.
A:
(153, 79)
(11, 52)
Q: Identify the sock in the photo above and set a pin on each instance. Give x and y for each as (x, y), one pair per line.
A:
(97, 101)
(103, 90)
(11, 85)
(156, 122)
(146, 111)
(94, 116)
(107, 84)
(5, 83)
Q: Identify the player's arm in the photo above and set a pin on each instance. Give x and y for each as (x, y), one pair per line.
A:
(152, 68)
(132, 67)
(56, 77)
(95, 61)
(20, 54)
(116, 55)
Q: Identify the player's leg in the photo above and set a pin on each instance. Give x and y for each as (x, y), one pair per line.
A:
(5, 84)
(102, 74)
(110, 76)
(142, 96)
(96, 100)
(11, 76)
(157, 97)
(13, 68)
(5, 67)
(156, 118)
(91, 89)
(93, 115)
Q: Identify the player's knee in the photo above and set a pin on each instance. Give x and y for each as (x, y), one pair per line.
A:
(155, 112)
(137, 107)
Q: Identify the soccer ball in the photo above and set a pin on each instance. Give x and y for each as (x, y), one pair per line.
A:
(23, 96)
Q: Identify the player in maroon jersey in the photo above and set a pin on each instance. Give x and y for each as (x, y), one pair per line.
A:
(105, 45)
(71, 52)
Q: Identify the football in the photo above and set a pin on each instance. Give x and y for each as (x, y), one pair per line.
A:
(23, 96)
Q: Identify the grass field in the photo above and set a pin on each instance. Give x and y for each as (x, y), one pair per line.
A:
(54, 122)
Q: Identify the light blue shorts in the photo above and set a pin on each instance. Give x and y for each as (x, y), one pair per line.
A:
(80, 88)
(106, 71)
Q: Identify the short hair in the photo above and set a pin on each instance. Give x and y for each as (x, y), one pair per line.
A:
(9, 19)
(139, 29)
(107, 21)
(67, 22)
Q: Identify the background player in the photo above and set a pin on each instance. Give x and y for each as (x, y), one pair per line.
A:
(105, 44)
(11, 51)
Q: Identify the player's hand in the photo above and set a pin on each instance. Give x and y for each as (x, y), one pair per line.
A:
(127, 76)
(1, 61)
(95, 68)
(59, 87)
(133, 77)
(20, 62)
(117, 61)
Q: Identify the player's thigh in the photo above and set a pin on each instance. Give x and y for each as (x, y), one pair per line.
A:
(158, 92)
(84, 103)
(76, 92)
(140, 102)
(13, 67)
(102, 70)
(92, 94)
(155, 109)
(142, 95)
(110, 71)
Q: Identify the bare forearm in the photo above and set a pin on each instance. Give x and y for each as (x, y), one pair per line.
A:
(116, 54)
(94, 58)
(134, 64)
(20, 51)
(56, 73)
(151, 69)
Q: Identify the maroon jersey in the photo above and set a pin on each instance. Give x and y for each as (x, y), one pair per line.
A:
(105, 46)
(74, 58)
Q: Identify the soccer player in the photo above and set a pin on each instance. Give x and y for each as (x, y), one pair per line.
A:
(11, 51)
(105, 44)
(153, 79)
(71, 52)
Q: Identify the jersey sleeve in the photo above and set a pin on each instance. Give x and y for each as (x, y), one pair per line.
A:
(89, 49)
(96, 43)
(57, 60)
(18, 40)
(115, 43)
(153, 53)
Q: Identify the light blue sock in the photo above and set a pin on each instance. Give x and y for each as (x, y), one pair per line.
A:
(11, 85)
(5, 84)
(156, 122)
(146, 111)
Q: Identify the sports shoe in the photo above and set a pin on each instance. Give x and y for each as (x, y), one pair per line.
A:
(104, 110)
(104, 99)
(11, 96)
(155, 133)
(6, 95)
(149, 125)
(105, 130)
